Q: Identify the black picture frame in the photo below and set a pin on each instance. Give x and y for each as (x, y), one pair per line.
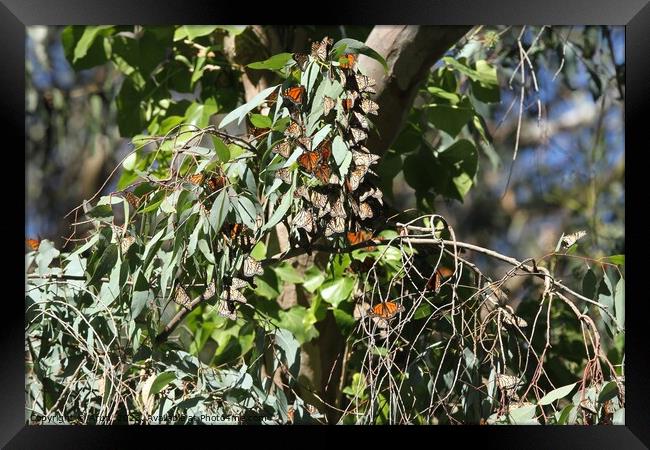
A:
(634, 14)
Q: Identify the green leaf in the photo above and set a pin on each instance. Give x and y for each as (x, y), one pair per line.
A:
(619, 260)
(219, 211)
(46, 253)
(105, 264)
(290, 348)
(280, 211)
(462, 160)
(564, 414)
(259, 251)
(300, 321)
(313, 279)
(339, 150)
(81, 46)
(556, 394)
(161, 381)
(261, 121)
(589, 282)
(130, 119)
(247, 211)
(239, 113)
(450, 118)
(344, 320)
(523, 414)
(619, 303)
(223, 153)
(287, 273)
(275, 62)
(199, 114)
(338, 290)
(141, 295)
(608, 392)
(344, 45)
(193, 31)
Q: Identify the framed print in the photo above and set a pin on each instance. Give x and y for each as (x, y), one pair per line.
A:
(387, 216)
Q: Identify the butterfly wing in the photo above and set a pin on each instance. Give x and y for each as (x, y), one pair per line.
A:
(285, 174)
(305, 220)
(325, 149)
(295, 94)
(283, 149)
(252, 268)
(33, 244)
(358, 135)
(323, 172)
(328, 104)
(335, 225)
(294, 130)
(301, 60)
(309, 161)
(369, 107)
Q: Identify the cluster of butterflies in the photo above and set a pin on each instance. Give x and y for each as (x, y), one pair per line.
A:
(339, 203)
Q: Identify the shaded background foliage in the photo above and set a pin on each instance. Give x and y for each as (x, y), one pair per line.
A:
(568, 174)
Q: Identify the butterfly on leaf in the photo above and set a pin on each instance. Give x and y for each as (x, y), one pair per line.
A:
(233, 230)
(305, 220)
(358, 135)
(328, 104)
(320, 49)
(570, 239)
(305, 142)
(348, 61)
(369, 107)
(385, 310)
(435, 281)
(252, 267)
(126, 242)
(360, 119)
(285, 174)
(301, 60)
(282, 148)
(133, 200)
(349, 100)
(294, 130)
(33, 244)
(216, 183)
(295, 94)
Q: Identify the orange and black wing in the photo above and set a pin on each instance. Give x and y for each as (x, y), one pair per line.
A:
(309, 161)
(294, 94)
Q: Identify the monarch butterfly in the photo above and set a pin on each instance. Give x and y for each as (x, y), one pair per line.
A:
(369, 107)
(181, 297)
(365, 83)
(358, 135)
(323, 172)
(328, 104)
(335, 225)
(357, 237)
(282, 148)
(301, 192)
(336, 208)
(216, 183)
(294, 130)
(349, 100)
(252, 267)
(285, 174)
(386, 310)
(126, 242)
(372, 192)
(301, 60)
(570, 239)
(356, 177)
(227, 309)
(364, 159)
(365, 211)
(33, 244)
(133, 200)
(434, 283)
(309, 160)
(233, 230)
(325, 149)
(305, 220)
(361, 120)
(320, 49)
(318, 199)
(238, 283)
(305, 142)
(348, 61)
(210, 291)
(233, 295)
(196, 179)
(294, 94)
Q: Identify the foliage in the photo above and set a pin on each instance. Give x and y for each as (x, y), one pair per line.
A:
(171, 309)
